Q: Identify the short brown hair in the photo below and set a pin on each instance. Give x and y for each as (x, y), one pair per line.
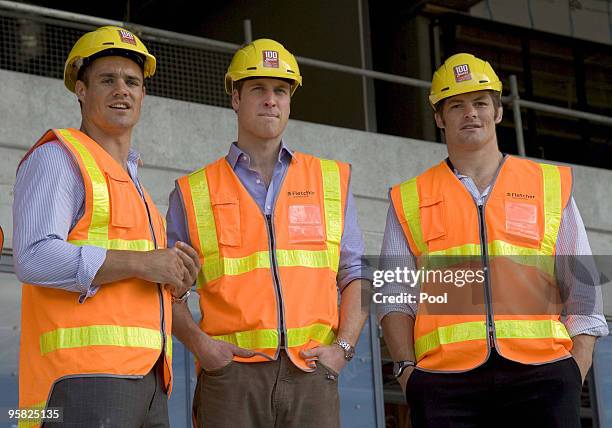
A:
(240, 83)
(495, 98)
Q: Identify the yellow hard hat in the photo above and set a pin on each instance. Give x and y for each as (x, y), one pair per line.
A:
(263, 58)
(102, 39)
(460, 74)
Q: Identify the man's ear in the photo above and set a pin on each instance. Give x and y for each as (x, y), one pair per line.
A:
(499, 115)
(439, 120)
(235, 100)
(80, 89)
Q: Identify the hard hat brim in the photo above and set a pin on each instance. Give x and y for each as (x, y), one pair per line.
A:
(71, 70)
(231, 78)
(100, 40)
(436, 98)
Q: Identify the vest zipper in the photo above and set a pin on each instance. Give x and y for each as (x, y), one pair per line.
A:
(485, 253)
(275, 278)
(487, 282)
(273, 261)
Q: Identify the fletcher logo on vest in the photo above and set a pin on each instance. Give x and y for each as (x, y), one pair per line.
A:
(300, 193)
(517, 195)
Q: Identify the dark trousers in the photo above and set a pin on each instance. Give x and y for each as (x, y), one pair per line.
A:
(267, 395)
(500, 393)
(105, 402)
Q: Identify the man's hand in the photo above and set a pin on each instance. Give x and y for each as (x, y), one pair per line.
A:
(175, 267)
(190, 268)
(162, 266)
(584, 364)
(582, 351)
(403, 379)
(215, 354)
(331, 356)
(178, 267)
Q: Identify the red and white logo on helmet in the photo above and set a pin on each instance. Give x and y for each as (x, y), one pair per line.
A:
(462, 72)
(127, 37)
(270, 59)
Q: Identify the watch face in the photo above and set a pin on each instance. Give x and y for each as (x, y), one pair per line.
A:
(396, 369)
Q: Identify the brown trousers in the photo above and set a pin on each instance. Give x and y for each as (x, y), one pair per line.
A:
(267, 395)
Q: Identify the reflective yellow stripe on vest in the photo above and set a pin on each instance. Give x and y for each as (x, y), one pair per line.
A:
(523, 255)
(97, 234)
(477, 330)
(410, 204)
(98, 229)
(268, 338)
(207, 231)
(102, 335)
(332, 203)
(540, 258)
(552, 207)
(214, 266)
(117, 244)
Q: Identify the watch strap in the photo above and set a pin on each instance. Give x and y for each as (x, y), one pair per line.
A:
(181, 299)
(400, 366)
(349, 350)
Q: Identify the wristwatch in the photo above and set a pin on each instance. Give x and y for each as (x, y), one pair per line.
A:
(400, 366)
(181, 299)
(349, 350)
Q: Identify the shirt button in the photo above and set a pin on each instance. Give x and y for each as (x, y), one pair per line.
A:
(268, 207)
(258, 181)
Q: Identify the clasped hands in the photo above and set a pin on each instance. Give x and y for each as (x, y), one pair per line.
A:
(177, 268)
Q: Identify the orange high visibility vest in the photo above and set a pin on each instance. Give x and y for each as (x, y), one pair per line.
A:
(266, 277)
(517, 307)
(123, 329)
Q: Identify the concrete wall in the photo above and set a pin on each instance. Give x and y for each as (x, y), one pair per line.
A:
(175, 136)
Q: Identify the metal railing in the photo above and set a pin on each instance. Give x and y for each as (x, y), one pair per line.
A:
(156, 35)
(516, 103)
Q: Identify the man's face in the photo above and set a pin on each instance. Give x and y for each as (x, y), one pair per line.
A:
(469, 119)
(263, 106)
(112, 95)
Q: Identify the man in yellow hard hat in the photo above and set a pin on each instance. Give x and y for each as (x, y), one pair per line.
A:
(486, 345)
(90, 248)
(279, 242)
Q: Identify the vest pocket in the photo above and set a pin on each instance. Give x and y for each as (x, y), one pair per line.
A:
(522, 220)
(433, 218)
(121, 205)
(305, 225)
(227, 212)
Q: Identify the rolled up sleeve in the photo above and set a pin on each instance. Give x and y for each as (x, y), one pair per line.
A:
(353, 265)
(578, 277)
(394, 253)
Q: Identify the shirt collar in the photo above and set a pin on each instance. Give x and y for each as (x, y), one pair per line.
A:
(463, 176)
(235, 155)
(133, 157)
